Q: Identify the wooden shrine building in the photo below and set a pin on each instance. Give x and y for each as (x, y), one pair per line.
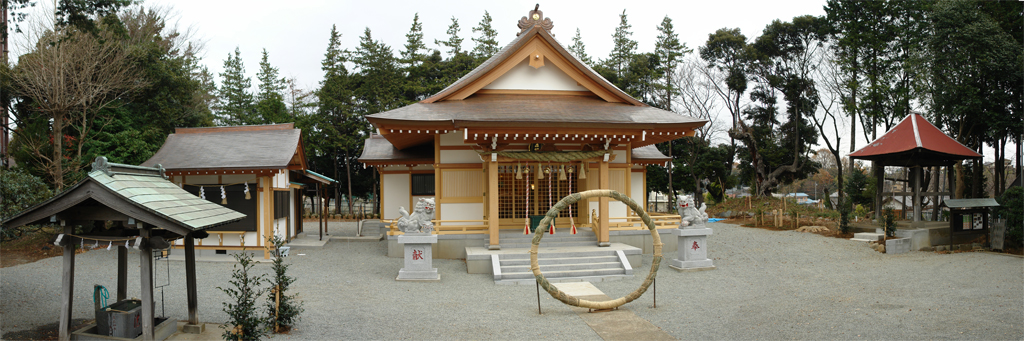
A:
(525, 128)
(128, 206)
(257, 170)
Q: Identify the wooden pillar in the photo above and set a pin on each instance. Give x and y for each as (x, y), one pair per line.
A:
(602, 238)
(880, 186)
(146, 280)
(122, 273)
(268, 214)
(492, 206)
(67, 289)
(190, 280)
(917, 193)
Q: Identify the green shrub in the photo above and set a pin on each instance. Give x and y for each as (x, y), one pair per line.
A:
(889, 222)
(281, 315)
(244, 323)
(1011, 208)
(19, 192)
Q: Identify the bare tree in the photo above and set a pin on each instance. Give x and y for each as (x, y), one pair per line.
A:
(70, 76)
(832, 90)
(698, 94)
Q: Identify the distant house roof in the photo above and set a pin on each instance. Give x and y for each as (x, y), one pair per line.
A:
(915, 142)
(117, 192)
(274, 146)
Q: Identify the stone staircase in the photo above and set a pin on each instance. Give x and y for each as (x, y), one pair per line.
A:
(562, 258)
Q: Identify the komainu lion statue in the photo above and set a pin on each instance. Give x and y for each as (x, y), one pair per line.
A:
(690, 214)
(419, 221)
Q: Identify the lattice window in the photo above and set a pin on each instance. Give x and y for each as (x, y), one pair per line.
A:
(512, 198)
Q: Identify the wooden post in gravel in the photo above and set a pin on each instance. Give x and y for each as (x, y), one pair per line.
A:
(67, 290)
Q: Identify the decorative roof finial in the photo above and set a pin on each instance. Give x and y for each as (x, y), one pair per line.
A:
(536, 18)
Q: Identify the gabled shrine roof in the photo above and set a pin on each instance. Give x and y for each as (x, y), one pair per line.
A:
(273, 146)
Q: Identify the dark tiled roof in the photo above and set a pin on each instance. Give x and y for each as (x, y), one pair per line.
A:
(244, 147)
(648, 154)
(537, 109)
(378, 150)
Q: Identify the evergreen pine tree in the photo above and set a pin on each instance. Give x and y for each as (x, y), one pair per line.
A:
(235, 102)
(454, 42)
(669, 50)
(624, 47)
(579, 50)
(487, 44)
(270, 107)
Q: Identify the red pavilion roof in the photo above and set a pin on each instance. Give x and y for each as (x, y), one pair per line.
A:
(915, 142)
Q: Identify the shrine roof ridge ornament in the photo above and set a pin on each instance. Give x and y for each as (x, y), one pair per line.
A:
(535, 18)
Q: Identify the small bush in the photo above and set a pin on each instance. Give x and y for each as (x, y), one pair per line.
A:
(19, 191)
(889, 222)
(283, 314)
(244, 323)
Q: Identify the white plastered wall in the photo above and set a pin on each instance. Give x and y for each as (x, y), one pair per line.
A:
(396, 194)
(525, 77)
(462, 211)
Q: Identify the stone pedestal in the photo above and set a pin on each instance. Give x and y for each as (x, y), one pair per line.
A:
(692, 249)
(419, 257)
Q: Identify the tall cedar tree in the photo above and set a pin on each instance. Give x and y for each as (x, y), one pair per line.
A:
(270, 107)
(235, 102)
(378, 85)
(422, 65)
(668, 49)
(976, 69)
(579, 50)
(726, 50)
(487, 43)
(336, 125)
(454, 42)
(623, 47)
(459, 62)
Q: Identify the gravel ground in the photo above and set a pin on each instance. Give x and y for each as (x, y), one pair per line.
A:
(768, 285)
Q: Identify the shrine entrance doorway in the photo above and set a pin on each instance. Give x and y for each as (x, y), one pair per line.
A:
(526, 189)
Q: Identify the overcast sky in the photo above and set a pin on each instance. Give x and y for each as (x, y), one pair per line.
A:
(295, 33)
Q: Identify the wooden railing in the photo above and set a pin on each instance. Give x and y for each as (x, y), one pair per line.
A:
(444, 226)
(632, 223)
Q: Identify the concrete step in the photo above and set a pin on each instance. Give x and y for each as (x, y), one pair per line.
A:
(566, 273)
(547, 244)
(532, 280)
(559, 260)
(867, 237)
(550, 253)
(554, 268)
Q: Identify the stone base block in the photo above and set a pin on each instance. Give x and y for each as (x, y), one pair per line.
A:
(418, 275)
(691, 269)
(899, 245)
(693, 264)
(193, 328)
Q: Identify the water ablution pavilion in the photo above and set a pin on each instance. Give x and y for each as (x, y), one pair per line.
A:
(507, 140)
(918, 145)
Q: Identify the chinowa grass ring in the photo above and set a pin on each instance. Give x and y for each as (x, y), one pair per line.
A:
(546, 223)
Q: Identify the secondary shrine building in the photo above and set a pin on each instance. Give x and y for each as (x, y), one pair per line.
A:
(527, 127)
